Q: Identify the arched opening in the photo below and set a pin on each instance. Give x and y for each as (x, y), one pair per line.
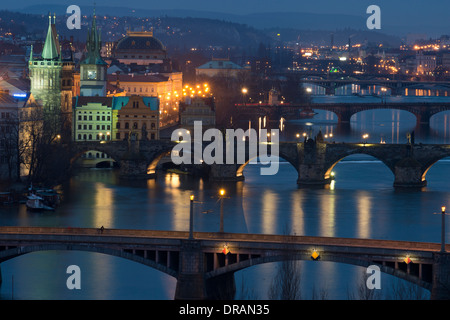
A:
(437, 174)
(103, 277)
(324, 280)
(94, 159)
(382, 125)
(267, 168)
(440, 125)
(359, 171)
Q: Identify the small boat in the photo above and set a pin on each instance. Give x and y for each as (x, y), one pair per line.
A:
(35, 202)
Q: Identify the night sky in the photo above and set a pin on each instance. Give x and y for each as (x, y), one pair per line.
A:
(412, 13)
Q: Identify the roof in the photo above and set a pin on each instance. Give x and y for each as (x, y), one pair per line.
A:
(119, 102)
(220, 64)
(79, 101)
(140, 41)
(137, 77)
(51, 45)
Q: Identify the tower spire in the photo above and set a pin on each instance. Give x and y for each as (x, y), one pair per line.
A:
(50, 50)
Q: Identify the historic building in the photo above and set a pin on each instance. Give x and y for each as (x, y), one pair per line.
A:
(197, 109)
(50, 74)
(116, 118)
(140, 48)
(92, 118)
(51, 85)
(140, 66)
(93, 67)
(216, 67)
(135, 118)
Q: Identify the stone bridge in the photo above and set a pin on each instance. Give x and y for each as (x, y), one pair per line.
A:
(396, 86)
(423, 111)
(205, 271)
(313, 159)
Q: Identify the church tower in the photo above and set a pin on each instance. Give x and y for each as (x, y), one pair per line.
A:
(45, 72)
(93, 68)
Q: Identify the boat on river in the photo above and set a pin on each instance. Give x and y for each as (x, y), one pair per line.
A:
(37, 203)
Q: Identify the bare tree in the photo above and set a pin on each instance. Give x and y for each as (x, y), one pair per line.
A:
(362, 291)
(286, 285)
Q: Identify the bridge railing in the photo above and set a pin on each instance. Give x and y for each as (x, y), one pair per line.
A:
(217, 236)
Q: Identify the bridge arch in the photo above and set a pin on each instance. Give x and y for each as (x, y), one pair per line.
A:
(136, 257)
(231, 268)
(82, 148)
(360, 109)
(432, 162)
(282, 156)
(361, 151)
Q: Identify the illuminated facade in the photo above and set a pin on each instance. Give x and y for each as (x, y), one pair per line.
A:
(93, 68)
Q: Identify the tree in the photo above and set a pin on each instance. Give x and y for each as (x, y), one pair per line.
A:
(286, 285)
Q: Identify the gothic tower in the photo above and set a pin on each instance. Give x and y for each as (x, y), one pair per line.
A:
(93, 68)
(45, 72)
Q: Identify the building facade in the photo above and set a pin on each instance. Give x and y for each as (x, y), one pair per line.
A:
(135, 118)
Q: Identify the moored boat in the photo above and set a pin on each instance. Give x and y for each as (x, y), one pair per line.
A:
(35, 202)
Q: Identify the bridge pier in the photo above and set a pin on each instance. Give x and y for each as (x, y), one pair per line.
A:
(225, 172)
(191, 282)
(408, 174)
(441, 277)
(312, 175)
(133, 167)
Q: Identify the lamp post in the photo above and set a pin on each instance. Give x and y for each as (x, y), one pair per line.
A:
(221, 194)
(244, 92)
(443, 229)
(191, 218)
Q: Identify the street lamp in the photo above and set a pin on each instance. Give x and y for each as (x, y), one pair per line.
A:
(221, 196)
(244, 92)
(191, 218)
(443, 229)
(365, 137)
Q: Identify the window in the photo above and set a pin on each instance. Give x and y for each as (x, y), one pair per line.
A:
(127, 125)
(118, 125)
(118, 135)
(135, 125)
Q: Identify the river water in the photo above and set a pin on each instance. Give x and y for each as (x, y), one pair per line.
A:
(361, 203)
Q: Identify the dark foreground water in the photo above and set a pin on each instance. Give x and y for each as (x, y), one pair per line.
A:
(360, 204)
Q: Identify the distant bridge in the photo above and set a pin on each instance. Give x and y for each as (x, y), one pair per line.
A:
(396, 87)
(423, 108)
(313, 160)
(204, 271)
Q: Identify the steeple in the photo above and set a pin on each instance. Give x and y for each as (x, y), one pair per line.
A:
(50, 50)
(93, 44)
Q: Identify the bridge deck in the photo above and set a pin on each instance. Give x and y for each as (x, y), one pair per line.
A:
(94, 235)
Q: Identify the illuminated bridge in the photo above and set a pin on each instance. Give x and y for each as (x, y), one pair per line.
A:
(313, 160)
(205, 265)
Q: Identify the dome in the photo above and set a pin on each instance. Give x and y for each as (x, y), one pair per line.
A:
(140, 41)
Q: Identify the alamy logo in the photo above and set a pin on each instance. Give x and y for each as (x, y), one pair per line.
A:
(374, 21)
(374, 280)
(74, 21)
(233, 152)
(74, 280)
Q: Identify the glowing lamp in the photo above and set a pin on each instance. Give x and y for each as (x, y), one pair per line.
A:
(315, 255)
